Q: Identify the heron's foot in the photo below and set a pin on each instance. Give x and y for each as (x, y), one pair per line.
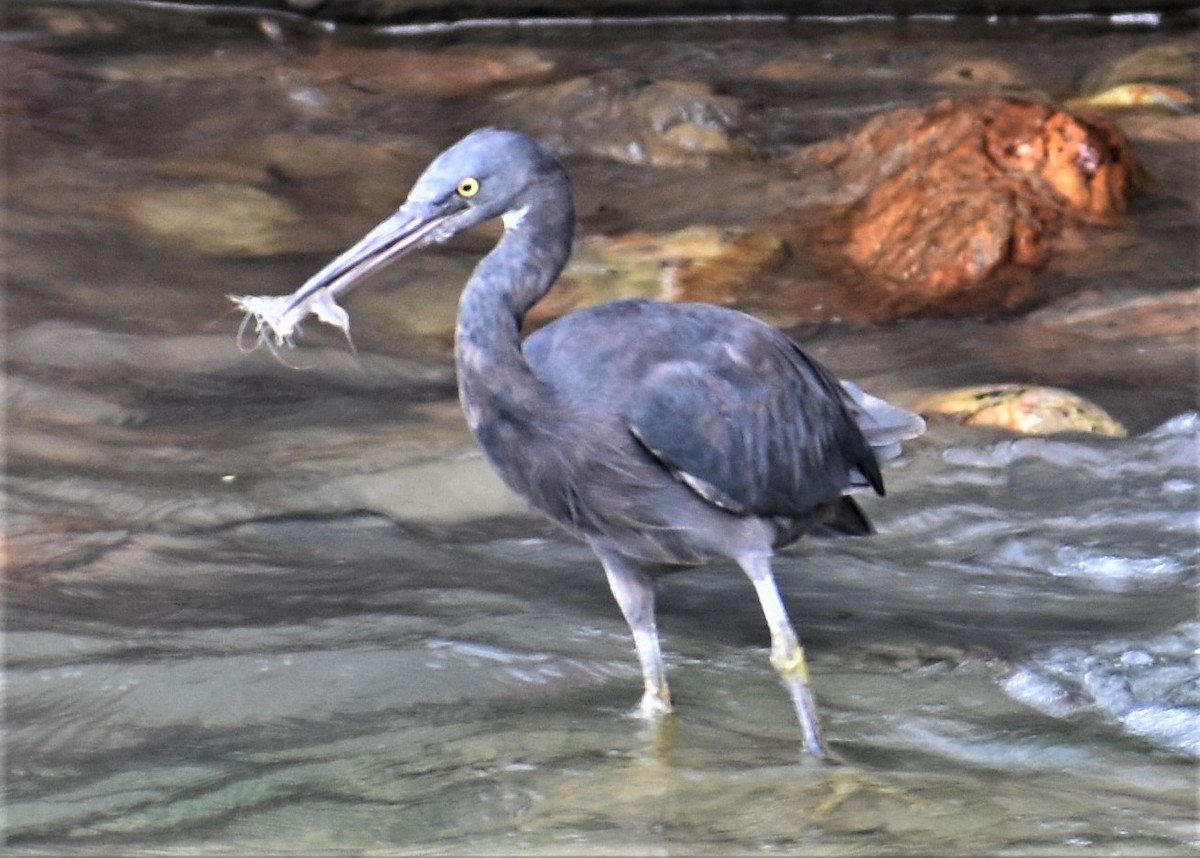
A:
(845, 785)
(655, 705)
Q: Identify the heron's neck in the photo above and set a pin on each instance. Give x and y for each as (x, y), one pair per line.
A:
(511, 279)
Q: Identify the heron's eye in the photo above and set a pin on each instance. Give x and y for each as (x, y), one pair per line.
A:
(467, 188)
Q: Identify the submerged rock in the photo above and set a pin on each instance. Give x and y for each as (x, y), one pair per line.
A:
(981, 72)
(1159, 316)
(155, 67)
(617, 115)
(292, 157)
(1166, 63)
(700, 263)
(340, 185)
(946, 209)
(217, 218)
(444, 73)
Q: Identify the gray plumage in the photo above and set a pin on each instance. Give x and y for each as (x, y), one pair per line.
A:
(664, 435)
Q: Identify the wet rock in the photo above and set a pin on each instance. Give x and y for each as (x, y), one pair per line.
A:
(947, 209)
(617, 115)
(292, 157)
(1169, 63)
(217, 218)
(794, 68)
(1142, 79)
(1134, 95)
(1161, 127)
(896, 657)
(1027, 409)
(701, 263)
(341, 185)
(443, 73)
(1088, 166)
(1156, 317)
(983, 73)
(154, 67)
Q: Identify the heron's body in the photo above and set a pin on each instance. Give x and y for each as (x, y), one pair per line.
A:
(664, 435)
(708, 436)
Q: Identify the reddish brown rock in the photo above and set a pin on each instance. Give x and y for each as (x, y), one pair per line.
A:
(1086, 162)
(948, 209)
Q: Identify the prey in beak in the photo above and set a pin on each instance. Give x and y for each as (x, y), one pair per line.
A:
(277, 318)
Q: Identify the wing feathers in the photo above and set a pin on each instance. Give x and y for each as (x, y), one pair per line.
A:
(768, 434)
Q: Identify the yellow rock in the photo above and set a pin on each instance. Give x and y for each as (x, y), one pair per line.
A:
(1161, 63)
(1134, 95)
(1027, 409)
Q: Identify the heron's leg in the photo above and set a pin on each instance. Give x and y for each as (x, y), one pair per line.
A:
(787, 655)
(634, 592)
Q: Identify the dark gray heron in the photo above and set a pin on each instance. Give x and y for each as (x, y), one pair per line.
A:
(664, 435)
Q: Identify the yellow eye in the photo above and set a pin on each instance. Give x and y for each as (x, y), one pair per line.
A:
(468, 188)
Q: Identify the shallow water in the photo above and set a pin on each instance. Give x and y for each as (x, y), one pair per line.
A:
(255, 608)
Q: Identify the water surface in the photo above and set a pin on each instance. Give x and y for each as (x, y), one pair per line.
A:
(252, 608)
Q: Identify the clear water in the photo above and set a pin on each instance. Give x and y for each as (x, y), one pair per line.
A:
(251, 608)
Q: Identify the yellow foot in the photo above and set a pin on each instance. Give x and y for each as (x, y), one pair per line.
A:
(844, 785)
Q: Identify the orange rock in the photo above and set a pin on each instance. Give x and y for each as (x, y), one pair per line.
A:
(930, 210)
(1085, 161)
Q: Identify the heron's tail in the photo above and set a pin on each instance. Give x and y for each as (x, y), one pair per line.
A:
(883, 425)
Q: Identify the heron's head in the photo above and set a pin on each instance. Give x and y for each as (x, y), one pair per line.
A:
(489, 173)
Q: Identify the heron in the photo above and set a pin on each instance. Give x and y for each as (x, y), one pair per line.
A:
(663, 435)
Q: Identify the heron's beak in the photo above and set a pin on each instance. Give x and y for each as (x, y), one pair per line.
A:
(409, 228)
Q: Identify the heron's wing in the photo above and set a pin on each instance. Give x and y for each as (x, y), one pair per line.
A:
(727, 404)
(752, 425)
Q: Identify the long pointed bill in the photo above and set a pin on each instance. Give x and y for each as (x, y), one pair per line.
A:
(277, 317)
(391, 239)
